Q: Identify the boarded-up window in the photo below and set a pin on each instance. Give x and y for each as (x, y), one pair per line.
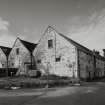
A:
(50, 43)
(17, 51)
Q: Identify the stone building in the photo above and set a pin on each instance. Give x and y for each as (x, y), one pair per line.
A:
(4, 53)
(21, 56)
(59, 55)
(54, 54)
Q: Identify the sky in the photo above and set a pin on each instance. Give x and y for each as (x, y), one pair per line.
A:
(81, 20)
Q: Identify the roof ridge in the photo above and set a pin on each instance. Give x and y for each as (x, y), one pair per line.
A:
(75, 42)
(85, 49)
(27, 41)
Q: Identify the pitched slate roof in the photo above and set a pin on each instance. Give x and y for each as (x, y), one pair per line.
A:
(6, 50)
(30, 46)
(82, 48)
(79, 46)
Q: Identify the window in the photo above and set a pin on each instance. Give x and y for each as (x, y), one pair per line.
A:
(89, 61)
(39, 61)
(17, 51)
(30, 67)
(50, 43)
(58, 59)
(3, 65)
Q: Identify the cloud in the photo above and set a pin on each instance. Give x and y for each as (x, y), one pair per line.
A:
(31, 34)
(4, 25)
(7, 40)
(91, 32)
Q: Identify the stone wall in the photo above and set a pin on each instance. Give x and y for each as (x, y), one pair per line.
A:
(100, 67)
(3, 60)
(19, 60)
(86, 65)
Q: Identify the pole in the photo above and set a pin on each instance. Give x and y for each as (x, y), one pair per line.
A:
(73, 71)
(31, 61)
(55, 53)
(48, 75)
(78, 66)
(7, 67)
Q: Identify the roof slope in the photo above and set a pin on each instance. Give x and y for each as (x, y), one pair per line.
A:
(82, 48)
(79, 46)
(30, 46)
(6, 50)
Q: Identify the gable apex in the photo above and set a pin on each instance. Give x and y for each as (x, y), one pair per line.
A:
(50, 28)
(79, 46)
(30, 46)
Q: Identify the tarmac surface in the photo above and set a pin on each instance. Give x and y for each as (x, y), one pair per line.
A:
(92, 93)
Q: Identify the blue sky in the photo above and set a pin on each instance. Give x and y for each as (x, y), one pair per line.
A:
(81, 20)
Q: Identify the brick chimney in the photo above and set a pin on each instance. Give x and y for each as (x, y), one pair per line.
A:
(104, 52)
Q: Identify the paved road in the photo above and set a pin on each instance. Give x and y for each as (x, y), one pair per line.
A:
(21, 96)
(88, 94)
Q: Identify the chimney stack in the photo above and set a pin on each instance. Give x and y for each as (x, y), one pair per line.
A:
(94, 51)
(104, 52)
(97, 53)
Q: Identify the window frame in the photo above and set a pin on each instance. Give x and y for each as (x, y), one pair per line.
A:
(17, 51)
(58, 59)
(39, 61)
(50, 43)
